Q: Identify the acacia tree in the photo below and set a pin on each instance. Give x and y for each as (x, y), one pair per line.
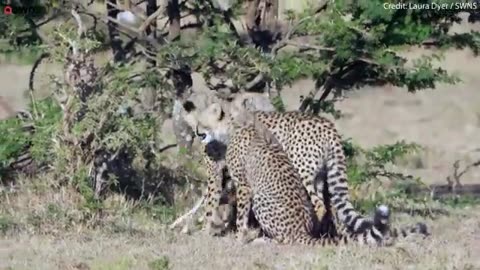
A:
(243, 46)
(340, 44)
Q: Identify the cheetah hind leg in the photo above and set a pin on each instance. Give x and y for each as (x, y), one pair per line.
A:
(329, 225)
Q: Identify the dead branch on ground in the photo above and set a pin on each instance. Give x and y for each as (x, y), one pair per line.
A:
(454, 180)
(187, 215)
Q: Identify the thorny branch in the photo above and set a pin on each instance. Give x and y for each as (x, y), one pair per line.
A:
(287, 40)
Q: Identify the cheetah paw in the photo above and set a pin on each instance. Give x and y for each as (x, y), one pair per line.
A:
(263, 240)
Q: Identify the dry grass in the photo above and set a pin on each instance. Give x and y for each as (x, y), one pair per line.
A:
(48, 228)
(453, 246)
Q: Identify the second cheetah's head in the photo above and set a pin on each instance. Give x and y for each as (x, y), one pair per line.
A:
(206, 115)
(210, 116)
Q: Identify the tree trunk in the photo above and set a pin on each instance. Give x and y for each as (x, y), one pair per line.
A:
(269, 15)
(173, 11)
(151, 30)
(151, 8)
(250, 18)
(113, 34)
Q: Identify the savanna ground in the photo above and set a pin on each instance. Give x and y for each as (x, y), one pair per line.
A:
(445, 121)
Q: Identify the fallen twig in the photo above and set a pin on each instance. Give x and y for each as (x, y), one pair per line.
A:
(306, 46)
(188, 214)
(445, 190)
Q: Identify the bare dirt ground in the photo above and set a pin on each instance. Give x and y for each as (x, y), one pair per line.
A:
(446, 121)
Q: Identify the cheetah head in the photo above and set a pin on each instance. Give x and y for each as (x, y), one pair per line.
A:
(206, 115)
(210, 117)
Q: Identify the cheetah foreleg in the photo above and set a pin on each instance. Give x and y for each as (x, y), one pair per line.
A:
(244, 204)
(214, 224)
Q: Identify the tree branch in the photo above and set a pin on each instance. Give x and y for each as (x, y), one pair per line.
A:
(152, 17)
(321, 6)
(282, 43)
(306, 46)
(258, 79)
(134, 10)
(81, 27)
(34, 68)
(327, 86)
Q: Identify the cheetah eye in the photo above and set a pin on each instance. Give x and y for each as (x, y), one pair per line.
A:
(189, 106)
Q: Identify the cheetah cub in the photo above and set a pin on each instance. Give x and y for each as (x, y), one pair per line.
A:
(268, 184)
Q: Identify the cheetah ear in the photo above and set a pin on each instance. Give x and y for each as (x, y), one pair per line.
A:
(216, 110)
(248, 104)
(265, 134)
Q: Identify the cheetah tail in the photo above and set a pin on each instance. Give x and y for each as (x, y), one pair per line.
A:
(381, 223)
(419, 228)
(354, 222)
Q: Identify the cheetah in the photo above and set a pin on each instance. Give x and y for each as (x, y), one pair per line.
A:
(311, 143)
(268, 184)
